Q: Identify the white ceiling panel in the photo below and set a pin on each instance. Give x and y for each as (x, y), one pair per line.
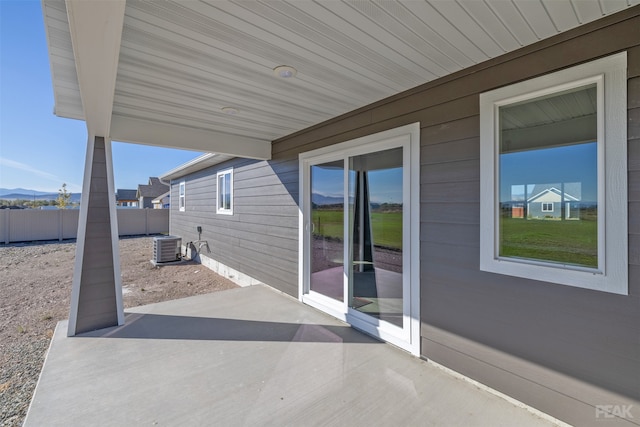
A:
(428, 41)
(514, 21)
(587, 10)
(612, 5)
(459, 45)
(181, 62)
(476, 34)
(562, 14)
(537, 18)
(398, 37)
(491, 23)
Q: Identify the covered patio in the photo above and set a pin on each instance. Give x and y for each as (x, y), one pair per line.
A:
(268, 89)
(229, 79)
(250, 356)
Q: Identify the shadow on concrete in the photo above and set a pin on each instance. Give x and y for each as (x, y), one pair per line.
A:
(171, 327)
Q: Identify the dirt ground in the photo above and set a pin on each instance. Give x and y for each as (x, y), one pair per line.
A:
(35, 287)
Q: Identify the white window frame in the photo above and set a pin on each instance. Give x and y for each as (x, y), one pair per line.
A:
(611, 275)
(547, 203)
(220, 210)
(182, 196)
(408, 137)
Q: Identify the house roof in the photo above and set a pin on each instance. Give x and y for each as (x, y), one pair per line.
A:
(122, 194)
(160, 197)
(162, 73)
(201, 162)
(154, 189)
(540, 190)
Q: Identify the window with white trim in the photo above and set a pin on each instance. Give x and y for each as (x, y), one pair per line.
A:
(566, 222)
(224, 204)
(181, 196)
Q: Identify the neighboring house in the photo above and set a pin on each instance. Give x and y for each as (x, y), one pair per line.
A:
(550, 202)
(411, 254)
(126, 198)
(147, 193)
(162, 201)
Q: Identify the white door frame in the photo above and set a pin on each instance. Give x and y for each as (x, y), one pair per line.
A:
(408, 137)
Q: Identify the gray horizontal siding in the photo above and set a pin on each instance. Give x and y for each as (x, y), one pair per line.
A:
(633, 129)
(260, 239)
(450, 192)
(559, 348)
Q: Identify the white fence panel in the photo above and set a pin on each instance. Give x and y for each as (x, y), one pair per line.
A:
(4, 225)
(27, 225)
(157, 221)
(30, 224)
(131, 222)
(70, 223)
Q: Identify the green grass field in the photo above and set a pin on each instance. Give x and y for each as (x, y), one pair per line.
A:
(387, 226)
(567, 242)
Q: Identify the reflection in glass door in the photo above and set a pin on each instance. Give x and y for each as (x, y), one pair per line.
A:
(376, 225)
(327, 229)
(359, 239)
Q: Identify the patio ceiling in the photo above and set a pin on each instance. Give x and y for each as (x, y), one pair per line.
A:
(160, 73)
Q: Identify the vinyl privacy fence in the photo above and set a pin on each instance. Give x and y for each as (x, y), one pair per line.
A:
(27, 225)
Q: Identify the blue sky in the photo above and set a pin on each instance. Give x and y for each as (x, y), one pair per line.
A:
(385, 186)
(571, 164)
(38, 150)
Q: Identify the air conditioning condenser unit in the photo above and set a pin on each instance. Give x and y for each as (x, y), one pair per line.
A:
(166, 249)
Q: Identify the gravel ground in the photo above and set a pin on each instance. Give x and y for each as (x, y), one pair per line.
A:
(35, 286)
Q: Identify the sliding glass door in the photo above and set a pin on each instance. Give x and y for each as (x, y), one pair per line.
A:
(375, 235)
(358, 219)
(327, 230)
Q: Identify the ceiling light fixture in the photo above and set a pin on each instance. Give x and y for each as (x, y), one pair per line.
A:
(285, 71)
(230, 111)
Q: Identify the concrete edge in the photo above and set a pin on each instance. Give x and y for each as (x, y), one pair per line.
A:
(62, 324)
(499, 394)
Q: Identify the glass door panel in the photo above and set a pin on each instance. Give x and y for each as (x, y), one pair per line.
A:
(327, 229)
(375, 234)
(359, 247)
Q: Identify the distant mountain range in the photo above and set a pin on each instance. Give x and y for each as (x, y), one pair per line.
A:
(26, 194)
(321, 199)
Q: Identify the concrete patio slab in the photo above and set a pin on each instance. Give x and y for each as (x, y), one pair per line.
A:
(250, 357)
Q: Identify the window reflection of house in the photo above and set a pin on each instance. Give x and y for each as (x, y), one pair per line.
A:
(549, 203)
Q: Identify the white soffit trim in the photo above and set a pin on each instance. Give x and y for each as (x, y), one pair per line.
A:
(201, 162)
(66, 92)
(138, 131)
(96, 32)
